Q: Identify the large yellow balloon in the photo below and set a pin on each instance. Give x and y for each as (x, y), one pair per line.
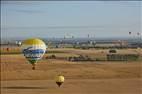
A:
(33, 50)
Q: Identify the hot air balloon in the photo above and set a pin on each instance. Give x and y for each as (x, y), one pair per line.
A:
(33, 50)
(59, 80)
(7, 49)
(138, 33)
(129, 33)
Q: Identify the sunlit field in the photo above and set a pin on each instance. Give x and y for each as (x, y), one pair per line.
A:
(99, 77)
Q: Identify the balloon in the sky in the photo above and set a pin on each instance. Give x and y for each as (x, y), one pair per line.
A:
(59, 80)
(33, 50)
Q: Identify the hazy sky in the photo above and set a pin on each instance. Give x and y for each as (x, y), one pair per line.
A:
(77, 18)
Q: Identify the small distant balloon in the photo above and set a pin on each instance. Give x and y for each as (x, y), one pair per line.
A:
(7, 49)
(59, 80)
(138, 33)
(33, 50)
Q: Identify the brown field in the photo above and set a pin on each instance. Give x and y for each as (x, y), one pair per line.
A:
(97, 77)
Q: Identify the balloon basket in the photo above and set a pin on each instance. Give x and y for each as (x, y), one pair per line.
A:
(59, 83)
(33, 68)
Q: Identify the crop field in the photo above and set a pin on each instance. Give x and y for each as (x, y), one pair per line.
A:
(81, 77)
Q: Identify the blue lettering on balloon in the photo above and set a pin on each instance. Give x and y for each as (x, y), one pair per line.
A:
(34, 54)
(35, 51)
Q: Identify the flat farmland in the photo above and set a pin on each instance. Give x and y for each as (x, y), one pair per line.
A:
(96, 77)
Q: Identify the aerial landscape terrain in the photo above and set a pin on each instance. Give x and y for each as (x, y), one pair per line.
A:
(71, 47)
(81, 77)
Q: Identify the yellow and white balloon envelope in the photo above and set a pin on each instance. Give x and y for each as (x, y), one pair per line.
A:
(33, 50)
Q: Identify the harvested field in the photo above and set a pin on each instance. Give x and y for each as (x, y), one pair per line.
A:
(95, 77)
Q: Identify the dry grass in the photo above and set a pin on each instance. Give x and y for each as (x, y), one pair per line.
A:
(80, 77)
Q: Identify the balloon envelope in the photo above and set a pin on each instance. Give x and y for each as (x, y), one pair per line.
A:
(59, 80)
(33, 49)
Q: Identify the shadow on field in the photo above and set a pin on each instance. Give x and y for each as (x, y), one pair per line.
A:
(24, 87)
